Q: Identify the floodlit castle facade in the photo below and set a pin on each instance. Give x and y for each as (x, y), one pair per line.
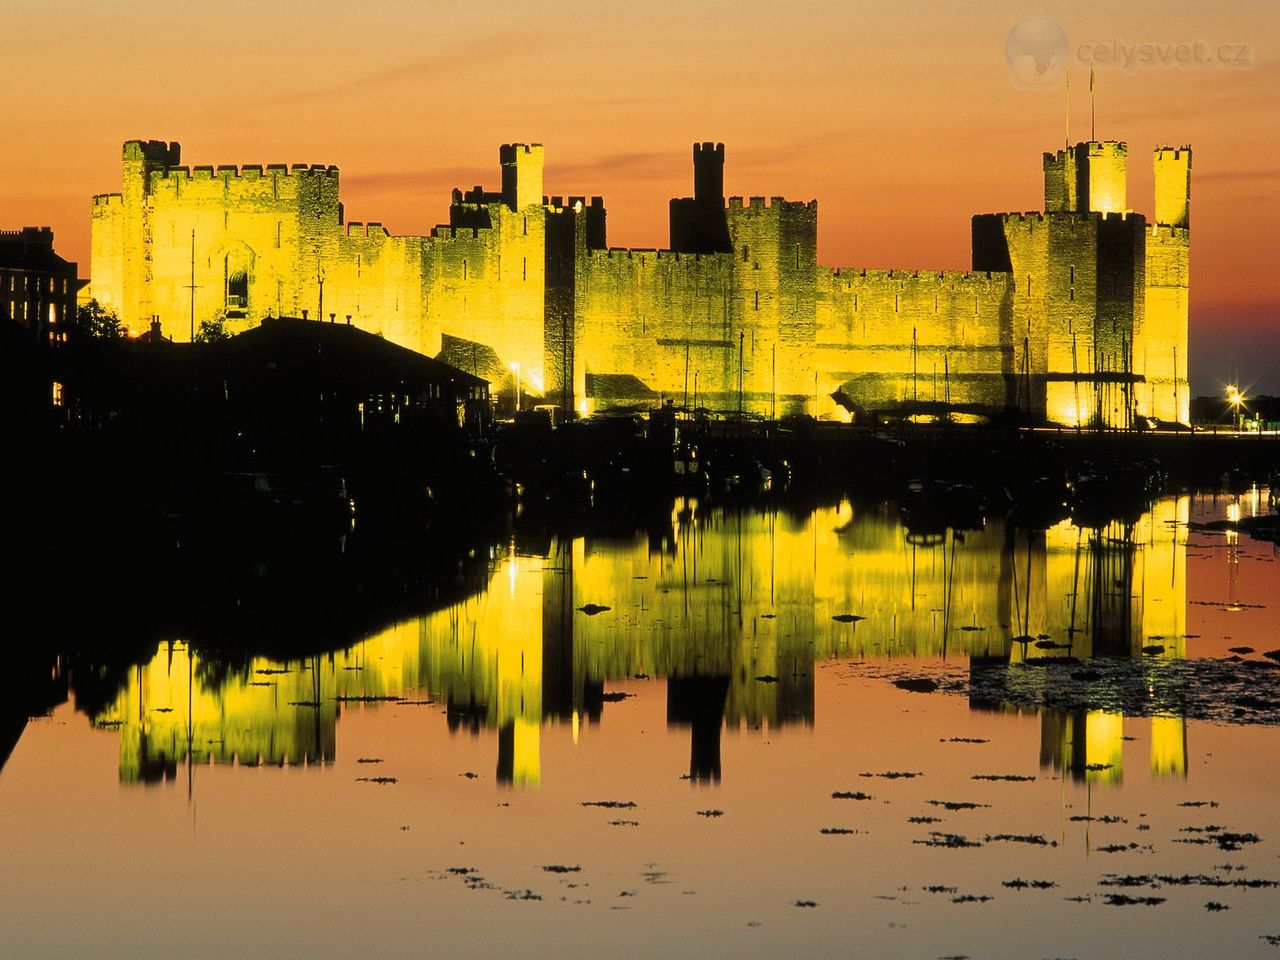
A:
(1076, 314)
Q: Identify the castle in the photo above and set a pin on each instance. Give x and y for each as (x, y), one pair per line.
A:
(1075, 315)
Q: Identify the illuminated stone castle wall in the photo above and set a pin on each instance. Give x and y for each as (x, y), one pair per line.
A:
(1097, 295)
(1074, 313)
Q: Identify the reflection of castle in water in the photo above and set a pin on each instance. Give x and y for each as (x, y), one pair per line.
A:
(733, 609)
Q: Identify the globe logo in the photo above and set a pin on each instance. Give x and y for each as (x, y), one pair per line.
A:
(1036, 50)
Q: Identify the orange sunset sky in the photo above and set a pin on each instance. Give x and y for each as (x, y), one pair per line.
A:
(900, 118)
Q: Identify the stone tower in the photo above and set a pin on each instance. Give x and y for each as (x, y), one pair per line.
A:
(1100, 175)
(1087, 178)
(698, 223)
(521, 174)
(1163, 341)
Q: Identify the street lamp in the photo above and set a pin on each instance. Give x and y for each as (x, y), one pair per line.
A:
(515, 366)
(1236, 399)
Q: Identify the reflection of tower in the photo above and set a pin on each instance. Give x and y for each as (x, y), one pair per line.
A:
(1022, 588)
(698, 702)
(1169, 746)
(1116, 631)
(566, 693)
(177, 707)
(519, 677)
(1088, 746)
(519, 755)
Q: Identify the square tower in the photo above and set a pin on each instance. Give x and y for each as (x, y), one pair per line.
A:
(1060, 182)
(521, 174)
(1173, 186)
(1100, 176)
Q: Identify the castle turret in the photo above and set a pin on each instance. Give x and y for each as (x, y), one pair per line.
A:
(1089, 177)
(1100, 176)
(708, 172)
(698, 223)
(1173, 186)
(1060, 182)
(140, 159)
(142, 156)
(1163, 343)
(521, 174)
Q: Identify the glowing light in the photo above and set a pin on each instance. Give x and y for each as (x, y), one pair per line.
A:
(1235, 397)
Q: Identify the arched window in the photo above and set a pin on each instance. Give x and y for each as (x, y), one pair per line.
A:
(235, 273)
(237, 292)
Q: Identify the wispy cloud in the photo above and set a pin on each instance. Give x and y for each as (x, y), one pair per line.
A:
(1237, 176)
(1219, 94)
(634, 165)
(416, 179)
(511, 44)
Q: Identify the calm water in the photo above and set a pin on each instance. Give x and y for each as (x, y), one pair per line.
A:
(731, 759)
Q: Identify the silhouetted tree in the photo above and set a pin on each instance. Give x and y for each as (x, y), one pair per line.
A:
(95, 320)
(212, 330)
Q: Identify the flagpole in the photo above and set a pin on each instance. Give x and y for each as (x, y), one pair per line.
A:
(1093, 122)
(1066, 112)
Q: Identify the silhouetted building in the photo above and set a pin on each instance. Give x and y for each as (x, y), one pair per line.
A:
(37, 287)
(286, 381)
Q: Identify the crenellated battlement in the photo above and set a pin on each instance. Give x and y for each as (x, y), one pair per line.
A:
(1028, 217)
(759, 204)
(370, 231)
(245, 172)
(558, 202)
(508, 152)
(1106, 148)
(1172, 153)
(34, 234)
(152, 153)
(1068, 216)
(642, 255)
(445, 232)
(104, 200)
(981, 278)
(476, 198)
(1164, 232)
